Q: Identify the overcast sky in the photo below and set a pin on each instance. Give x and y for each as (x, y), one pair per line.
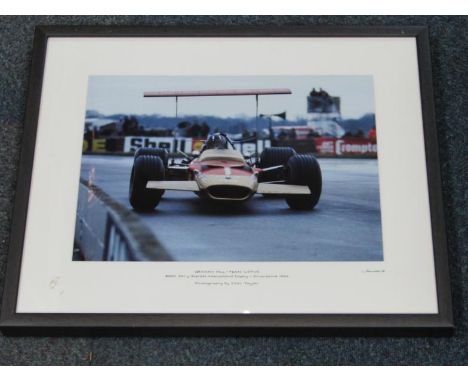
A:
(124, 95)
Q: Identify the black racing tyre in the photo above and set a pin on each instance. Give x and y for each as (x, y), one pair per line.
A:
(304, 170)
(276, 156)
(161, 153)
(145, 168)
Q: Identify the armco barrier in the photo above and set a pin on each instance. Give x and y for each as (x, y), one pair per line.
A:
(106, 230)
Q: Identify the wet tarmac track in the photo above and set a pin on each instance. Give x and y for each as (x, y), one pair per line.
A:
(344, 226)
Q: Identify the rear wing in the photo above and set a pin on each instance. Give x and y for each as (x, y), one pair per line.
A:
(218, 93)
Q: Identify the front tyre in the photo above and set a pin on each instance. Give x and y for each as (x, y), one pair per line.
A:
(304, 170)
(145, 168)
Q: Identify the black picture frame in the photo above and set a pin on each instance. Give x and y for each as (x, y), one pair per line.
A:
(15, 323)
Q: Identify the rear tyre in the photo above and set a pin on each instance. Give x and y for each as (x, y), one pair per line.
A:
(161, 153)
(145, 168)
(304, 170)
(276, 156)
(273, 156)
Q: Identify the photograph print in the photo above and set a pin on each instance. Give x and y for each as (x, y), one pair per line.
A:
(229, 169)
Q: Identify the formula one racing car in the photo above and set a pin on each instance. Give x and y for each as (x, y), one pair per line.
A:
(221, 173)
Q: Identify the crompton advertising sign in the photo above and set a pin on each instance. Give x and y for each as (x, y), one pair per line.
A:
(346, 147)
(355, 146)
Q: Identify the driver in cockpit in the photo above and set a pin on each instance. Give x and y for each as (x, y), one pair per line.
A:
(216, 141)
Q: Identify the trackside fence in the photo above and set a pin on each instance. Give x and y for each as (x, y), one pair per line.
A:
(107, 231)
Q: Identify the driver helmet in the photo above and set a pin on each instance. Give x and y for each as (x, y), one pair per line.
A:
(216, 141)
